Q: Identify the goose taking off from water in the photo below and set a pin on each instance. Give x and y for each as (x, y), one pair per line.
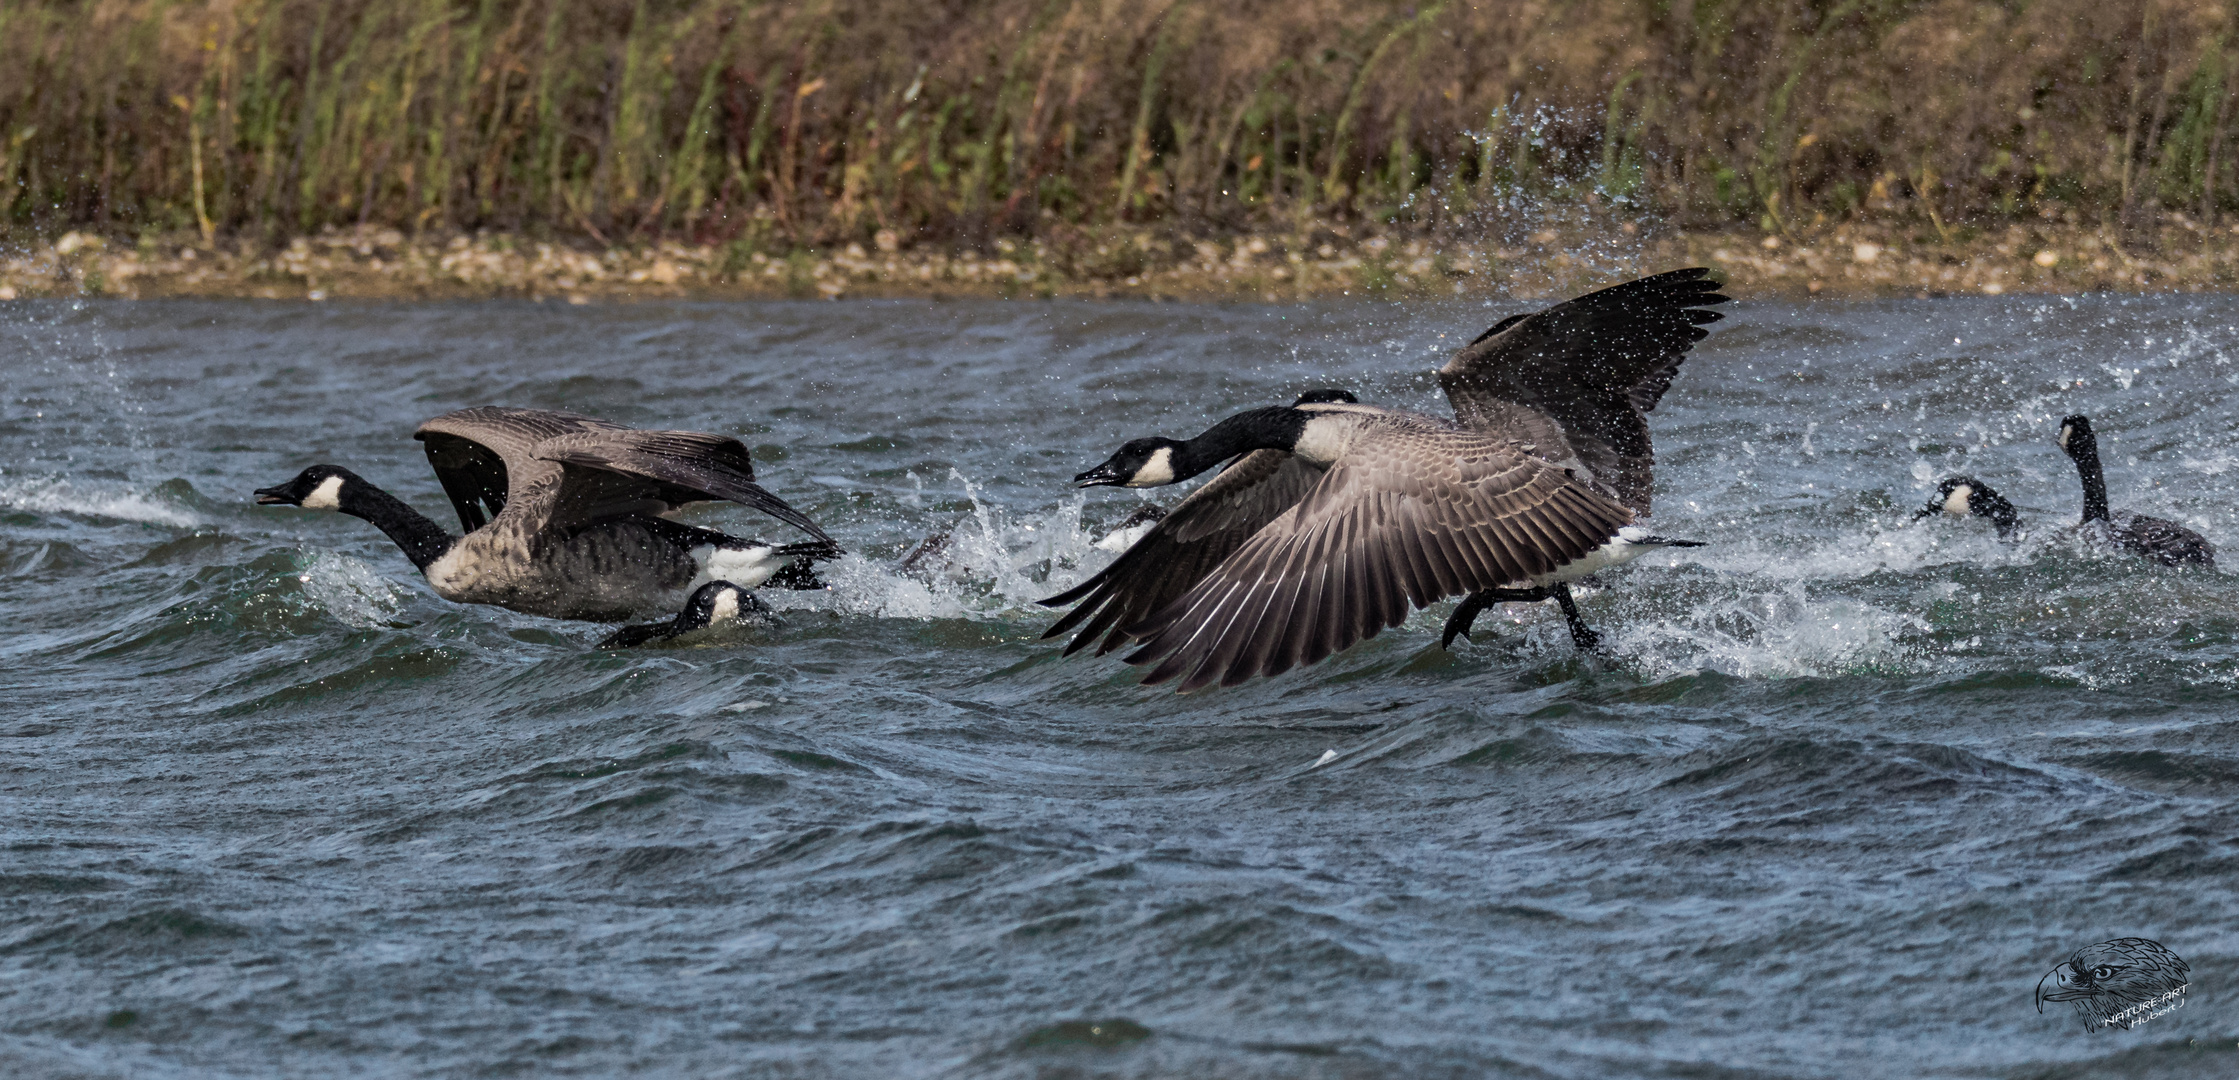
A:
(1335, 517)
(2150, 537)
(564, 514)
(1965, 496)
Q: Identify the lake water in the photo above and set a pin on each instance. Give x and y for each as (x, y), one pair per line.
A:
(1839, 791)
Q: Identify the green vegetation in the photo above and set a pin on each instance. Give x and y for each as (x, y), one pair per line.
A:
(774, 126)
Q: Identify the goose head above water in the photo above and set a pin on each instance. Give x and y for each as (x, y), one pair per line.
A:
(1964, 496)
(2081, 444)
(716, 605)
(2154, 538)
(1156, 462)
(316, 488)
(332, 487)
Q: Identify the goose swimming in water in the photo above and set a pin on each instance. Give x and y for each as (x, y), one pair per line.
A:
(564, 514)
(2149, 537)
(1335, 517)
(717, 605)
(1965, 496)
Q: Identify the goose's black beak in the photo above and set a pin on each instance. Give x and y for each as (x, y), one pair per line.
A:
(1104, 475)
(274, 496)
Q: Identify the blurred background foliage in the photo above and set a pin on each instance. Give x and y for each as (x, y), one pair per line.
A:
(816, 123)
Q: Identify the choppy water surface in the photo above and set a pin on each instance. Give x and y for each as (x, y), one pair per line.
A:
(1841, 791)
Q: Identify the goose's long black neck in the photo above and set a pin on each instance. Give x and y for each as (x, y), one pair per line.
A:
(423, 540)
(2086, 456)
(1260, 429)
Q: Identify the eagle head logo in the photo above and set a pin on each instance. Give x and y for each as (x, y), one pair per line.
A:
(2111, 983)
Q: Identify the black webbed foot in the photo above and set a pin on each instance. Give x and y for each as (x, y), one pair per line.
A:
(1582, 637)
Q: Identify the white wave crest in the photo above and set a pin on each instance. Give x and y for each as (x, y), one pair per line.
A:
(58, 496)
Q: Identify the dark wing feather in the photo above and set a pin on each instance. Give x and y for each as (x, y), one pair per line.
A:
(472, 476)
(479, 453)
(1388, 528)
(2163, 541)
(610, 473)
(1187, 544)
(1596, 364)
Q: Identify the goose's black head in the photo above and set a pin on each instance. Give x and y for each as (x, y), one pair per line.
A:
(717, 603)
(1140, 463)
(319, 487)
(1964, 496)
(2076, 438)
(1325, 395)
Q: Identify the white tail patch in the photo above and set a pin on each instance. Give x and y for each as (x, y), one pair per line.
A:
(743, 567)
(1631, 542)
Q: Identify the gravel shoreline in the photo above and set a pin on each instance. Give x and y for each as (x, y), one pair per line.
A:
(1848, 261)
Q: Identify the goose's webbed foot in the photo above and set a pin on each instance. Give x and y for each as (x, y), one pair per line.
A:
(1580, 636)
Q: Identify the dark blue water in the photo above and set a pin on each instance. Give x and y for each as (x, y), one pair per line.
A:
(1841, 789)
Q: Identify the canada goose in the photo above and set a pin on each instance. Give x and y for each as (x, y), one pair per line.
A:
(1962, 496)
(1189, 541)
(1337, 516)
(573, 527)
(715, 605)
(2162, 541)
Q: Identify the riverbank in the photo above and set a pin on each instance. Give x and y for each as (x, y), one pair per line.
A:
(1860, 260)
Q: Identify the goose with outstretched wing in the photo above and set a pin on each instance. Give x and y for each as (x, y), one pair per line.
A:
(1342, 516)
(567, 516)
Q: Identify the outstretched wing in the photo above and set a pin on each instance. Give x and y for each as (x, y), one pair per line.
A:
(1187, 544)
(1596, 365)
(479, 454)
(1423, 517)
(621, 472)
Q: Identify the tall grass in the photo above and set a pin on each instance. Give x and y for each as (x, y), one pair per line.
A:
(826, 121)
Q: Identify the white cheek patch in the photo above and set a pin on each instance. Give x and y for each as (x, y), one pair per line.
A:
(327, 496)
(1956, 503)
(726, 609)
(1159, 470)
(2065, 431)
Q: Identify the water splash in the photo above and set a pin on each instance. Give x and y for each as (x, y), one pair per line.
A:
(350, 590)
(993, 564)
(1778, 634)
